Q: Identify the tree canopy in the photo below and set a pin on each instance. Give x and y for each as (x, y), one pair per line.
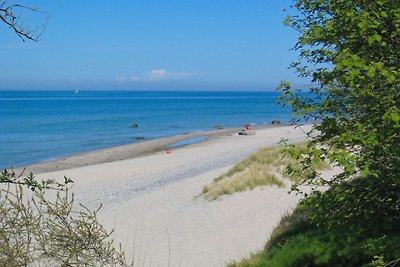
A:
(350, 50)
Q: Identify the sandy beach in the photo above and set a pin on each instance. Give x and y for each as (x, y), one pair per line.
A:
(149, 197)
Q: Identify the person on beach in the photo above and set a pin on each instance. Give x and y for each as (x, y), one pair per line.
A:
(247, 130)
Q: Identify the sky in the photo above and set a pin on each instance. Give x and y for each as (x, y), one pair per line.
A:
(151, 45)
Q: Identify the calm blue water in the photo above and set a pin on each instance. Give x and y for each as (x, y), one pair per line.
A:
(42, 125)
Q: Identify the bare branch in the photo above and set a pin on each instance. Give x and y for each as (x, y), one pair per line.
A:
(11, 15)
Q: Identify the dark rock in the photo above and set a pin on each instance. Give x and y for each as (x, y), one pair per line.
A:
(218, 127)
(134, 125)
(276, 122)
(140, 137)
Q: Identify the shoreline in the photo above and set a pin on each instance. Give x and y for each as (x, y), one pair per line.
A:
(128, 151)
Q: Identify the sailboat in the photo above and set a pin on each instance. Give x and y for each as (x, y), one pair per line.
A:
(76, 91)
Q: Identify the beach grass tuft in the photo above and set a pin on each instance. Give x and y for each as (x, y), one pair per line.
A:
(266, 167)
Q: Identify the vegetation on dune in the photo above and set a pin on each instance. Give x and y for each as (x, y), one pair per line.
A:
(349, 50)
(307, 238)
(265, 167)
(37, 231)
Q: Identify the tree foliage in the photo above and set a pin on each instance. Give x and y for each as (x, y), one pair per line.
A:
(351, 52)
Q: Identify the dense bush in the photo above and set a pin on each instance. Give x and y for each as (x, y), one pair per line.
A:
(349, 51)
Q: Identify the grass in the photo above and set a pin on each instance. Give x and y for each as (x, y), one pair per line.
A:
(249, 179)
(266, 167)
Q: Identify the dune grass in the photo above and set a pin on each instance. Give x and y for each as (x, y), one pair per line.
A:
(265, 167)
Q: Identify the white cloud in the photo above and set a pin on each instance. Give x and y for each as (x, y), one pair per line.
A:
(156, 75)
(134, 78)
(120, 79)
(163, 74)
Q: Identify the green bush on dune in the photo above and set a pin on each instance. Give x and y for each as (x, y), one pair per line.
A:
(336, 234)
(349, 51)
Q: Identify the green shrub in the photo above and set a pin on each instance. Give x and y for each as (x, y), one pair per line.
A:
(367, 204)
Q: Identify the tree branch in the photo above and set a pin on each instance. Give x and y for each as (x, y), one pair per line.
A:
(23, 30)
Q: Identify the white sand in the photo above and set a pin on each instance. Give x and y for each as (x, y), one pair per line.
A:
(150, 201)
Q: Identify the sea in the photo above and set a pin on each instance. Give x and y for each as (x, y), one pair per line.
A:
(42, 125)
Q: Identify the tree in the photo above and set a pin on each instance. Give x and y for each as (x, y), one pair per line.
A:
(351, 52)
(13, 16)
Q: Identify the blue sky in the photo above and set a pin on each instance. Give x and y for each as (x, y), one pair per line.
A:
(152, 45)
